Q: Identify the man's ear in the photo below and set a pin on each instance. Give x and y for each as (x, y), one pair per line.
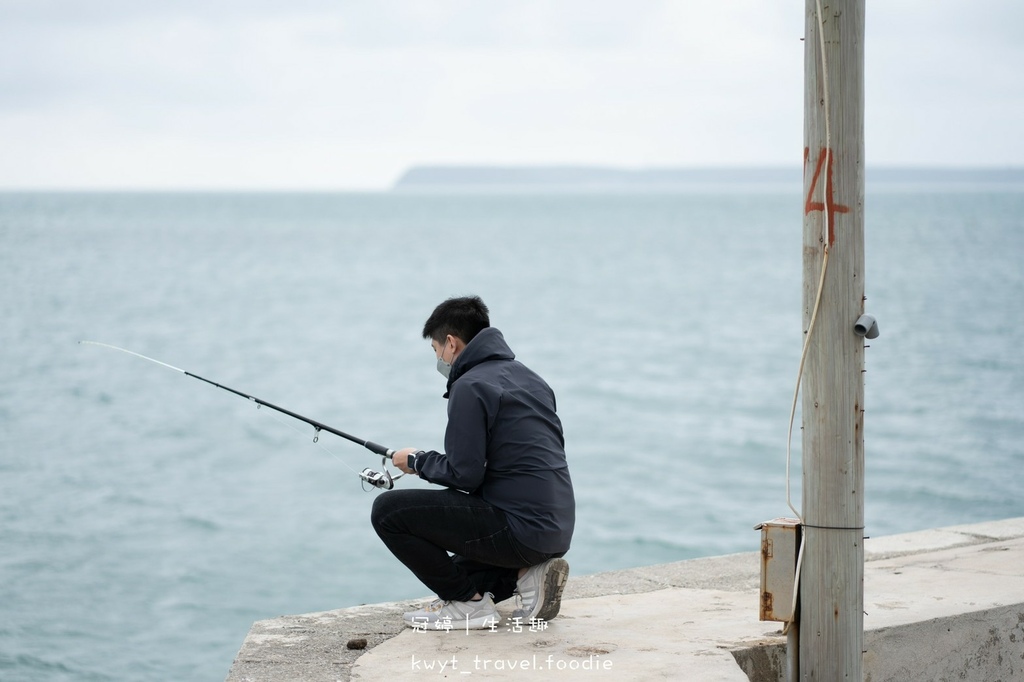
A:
(458, 344)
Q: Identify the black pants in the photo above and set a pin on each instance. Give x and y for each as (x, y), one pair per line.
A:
(421, 528)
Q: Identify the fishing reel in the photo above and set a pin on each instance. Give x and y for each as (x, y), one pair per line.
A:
(378, 479)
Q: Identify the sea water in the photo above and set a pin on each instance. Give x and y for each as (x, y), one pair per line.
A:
(147, 518)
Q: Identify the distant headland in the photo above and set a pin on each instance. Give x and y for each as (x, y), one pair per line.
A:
(595, 177)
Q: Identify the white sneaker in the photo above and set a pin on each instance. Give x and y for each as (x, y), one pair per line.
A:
(539, 591)
(455, 615)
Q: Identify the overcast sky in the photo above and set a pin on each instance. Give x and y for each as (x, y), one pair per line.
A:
(347, 94)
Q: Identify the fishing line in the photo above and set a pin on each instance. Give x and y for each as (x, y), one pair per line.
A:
(316, 441)
(378, 479)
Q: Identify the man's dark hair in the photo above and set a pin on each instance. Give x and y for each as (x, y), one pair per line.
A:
(462, 317)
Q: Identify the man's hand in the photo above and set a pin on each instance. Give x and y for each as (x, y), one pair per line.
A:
(401, 457)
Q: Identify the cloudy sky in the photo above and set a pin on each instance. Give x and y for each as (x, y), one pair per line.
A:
(347, 94)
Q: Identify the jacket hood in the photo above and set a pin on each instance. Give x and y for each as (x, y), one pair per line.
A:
(486, 346)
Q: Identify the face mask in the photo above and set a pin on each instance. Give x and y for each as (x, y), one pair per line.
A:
(445, 368)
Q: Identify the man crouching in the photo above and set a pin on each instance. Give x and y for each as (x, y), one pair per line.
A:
(507, 511)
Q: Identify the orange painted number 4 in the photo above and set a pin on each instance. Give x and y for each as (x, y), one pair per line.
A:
(810, 204)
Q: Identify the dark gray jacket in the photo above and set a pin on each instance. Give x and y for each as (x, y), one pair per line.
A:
(504, 443)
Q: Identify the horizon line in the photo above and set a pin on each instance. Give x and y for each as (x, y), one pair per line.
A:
(625, 173)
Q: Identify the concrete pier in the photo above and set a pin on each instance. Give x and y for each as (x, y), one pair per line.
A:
(941, 604)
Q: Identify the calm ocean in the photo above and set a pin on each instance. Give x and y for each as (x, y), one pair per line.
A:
(147, 519)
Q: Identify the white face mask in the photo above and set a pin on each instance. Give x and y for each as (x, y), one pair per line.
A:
(445, 368)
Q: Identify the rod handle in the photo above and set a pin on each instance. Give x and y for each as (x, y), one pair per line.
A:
(378, 449)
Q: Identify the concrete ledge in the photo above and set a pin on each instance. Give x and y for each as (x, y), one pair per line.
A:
(940, 604)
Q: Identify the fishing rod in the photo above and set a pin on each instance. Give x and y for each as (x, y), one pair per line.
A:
(377, 479)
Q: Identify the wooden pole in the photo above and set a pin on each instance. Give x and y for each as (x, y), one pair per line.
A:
(831, 630)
